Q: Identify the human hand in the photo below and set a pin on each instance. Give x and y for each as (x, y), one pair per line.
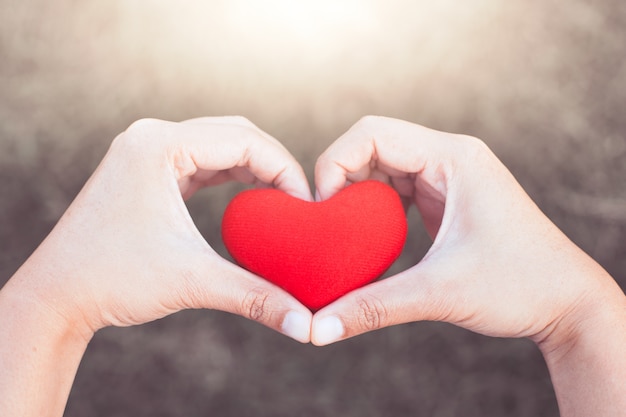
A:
(497, 265)
(127, 251)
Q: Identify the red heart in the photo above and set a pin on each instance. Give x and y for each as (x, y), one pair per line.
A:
(317, 251)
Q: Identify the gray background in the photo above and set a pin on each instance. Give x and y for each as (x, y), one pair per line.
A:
(542, 82)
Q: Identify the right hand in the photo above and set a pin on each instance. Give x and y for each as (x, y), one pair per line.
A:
(497, 265)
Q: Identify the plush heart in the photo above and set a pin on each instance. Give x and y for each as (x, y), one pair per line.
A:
(317, 251)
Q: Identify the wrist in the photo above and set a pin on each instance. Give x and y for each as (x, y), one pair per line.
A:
(31, 306)
(48, 284)
(39, 354)
(584, 351)
(599, 311)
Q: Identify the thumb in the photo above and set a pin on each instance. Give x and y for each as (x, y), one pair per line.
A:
(235, 290)
(403, 298)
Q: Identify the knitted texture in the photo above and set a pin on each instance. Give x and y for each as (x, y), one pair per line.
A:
(317, 251)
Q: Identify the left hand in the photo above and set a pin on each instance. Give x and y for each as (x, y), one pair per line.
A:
(127, 251)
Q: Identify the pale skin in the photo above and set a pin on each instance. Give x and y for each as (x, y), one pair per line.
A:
(127, 252)
(497, 265)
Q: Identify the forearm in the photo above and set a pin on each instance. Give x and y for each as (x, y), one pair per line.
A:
(39, 354)
(589, 370)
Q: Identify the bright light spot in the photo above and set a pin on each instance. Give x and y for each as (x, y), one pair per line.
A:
(307, 23)
(308, 50)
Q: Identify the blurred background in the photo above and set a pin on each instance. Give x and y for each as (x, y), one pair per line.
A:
(542, 82)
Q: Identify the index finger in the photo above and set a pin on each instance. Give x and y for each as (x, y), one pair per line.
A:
(224, 144)
(395, 146)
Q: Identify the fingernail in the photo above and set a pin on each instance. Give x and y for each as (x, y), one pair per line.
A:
(296, 326)
(327, 330)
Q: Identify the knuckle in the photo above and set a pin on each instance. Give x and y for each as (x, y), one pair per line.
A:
(369, 120)
(254, 305)
(470, 152)
(140, 132)
(143, 127)
(371, 313)
(366, 124)
(144, 135)
(191, 293)
(240, 120)
(473, 146)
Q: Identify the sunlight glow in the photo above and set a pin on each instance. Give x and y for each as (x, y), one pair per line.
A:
(308, 23)
(303, 48)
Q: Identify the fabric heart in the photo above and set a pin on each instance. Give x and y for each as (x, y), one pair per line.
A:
(317, 251)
